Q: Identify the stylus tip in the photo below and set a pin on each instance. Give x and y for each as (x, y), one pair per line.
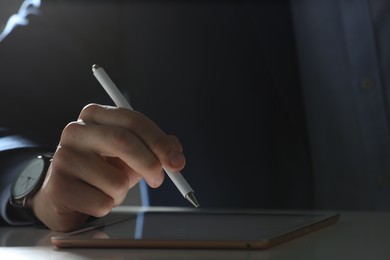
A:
(191, 198)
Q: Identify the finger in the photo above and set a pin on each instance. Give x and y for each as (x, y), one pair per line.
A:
(93, 170)
(133, 176)
(114, 142)
(68, 196)
(167, 149)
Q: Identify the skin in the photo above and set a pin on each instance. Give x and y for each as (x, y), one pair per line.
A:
(99, 158)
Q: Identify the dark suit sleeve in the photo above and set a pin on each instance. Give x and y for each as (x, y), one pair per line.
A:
(15, 152)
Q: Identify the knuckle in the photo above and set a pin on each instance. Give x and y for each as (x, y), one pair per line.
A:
(71, 131)
(130, 118)
(89, 110)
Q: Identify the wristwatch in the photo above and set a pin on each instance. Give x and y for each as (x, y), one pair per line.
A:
(29, 180)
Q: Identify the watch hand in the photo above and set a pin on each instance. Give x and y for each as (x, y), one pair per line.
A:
(28, 180)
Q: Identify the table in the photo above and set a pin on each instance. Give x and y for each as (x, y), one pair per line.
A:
(357, 235)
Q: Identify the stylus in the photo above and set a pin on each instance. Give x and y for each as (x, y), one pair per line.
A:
(119, 100)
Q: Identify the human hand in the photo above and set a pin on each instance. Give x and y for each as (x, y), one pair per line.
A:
(98, 159)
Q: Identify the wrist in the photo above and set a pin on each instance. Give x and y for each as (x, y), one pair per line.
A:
(26, 184)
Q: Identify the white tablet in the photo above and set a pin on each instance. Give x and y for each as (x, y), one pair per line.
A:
(196, 228)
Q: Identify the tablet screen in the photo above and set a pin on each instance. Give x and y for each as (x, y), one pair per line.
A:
(207, 226)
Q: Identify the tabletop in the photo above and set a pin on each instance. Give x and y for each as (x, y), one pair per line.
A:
(356, 235)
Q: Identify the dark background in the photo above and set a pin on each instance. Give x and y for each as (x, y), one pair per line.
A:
(197, 68)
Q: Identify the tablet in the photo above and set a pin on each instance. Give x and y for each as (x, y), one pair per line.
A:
(196, 229)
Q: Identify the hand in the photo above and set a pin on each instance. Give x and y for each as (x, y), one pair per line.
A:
(99, 158)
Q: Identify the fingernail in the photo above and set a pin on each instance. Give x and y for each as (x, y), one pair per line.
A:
(176, 159)
(158, 180)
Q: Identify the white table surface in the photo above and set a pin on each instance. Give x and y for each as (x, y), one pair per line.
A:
(357, 235)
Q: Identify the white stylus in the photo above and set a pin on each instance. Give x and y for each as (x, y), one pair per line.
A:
(121, 101)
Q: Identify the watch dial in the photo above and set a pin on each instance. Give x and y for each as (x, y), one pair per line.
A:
(29, 178)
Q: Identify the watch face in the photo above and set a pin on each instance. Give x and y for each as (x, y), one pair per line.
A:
(29, 178)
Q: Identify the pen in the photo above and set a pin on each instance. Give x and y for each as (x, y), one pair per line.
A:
(120, 101)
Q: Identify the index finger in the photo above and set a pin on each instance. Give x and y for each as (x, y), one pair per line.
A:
(167, 149)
